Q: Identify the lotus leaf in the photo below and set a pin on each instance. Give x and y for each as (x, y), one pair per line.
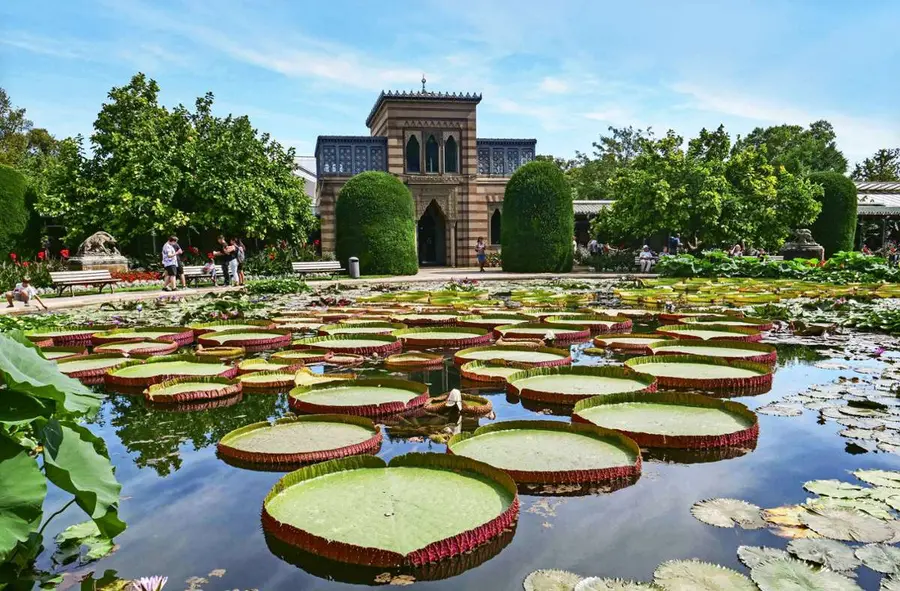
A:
(728, 513)
(797, 575)
(22, 496)
(752, 556)
(551, 580)
(829, 553)
(836, 489)
(880, 557)
(889, 478)
(694, 575)
(601, 584)
(852, 525)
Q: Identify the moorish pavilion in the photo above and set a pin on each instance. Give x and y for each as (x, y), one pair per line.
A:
(429, 140)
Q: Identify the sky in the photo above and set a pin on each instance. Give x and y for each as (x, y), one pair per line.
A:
(561, 72)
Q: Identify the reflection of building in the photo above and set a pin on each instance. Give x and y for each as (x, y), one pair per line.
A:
(428, 140)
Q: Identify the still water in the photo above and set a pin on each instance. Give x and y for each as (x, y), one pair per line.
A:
(190, 514)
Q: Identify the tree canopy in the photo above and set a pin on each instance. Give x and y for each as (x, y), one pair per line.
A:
(798, 150)
(883, 166)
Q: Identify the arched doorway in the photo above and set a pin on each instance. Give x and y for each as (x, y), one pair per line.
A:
(431, 232)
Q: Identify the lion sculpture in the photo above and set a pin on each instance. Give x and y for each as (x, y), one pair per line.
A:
(99, 244)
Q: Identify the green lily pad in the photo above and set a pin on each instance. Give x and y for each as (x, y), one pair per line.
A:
(601, 584)
(880, 557)
(836, 489)
(872, 507)
(694, 575)
(797, 575)
(728, 513)
(846, 524)
(829, 553)
(551, 580)
(751, 556)
(888, 478)
(170, 368)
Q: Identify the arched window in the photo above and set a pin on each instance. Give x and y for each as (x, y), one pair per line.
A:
(431, 155)
(412, 154)
(495, 227)
(451, 157)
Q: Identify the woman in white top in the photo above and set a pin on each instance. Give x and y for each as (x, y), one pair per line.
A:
(646, 257)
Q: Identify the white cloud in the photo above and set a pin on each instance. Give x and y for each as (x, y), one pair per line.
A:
(554, 85)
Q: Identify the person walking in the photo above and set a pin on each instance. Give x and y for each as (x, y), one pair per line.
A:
(228, 254)
(24, 292)
(479, 253)
(179, 271)
(241, 257)
(170, 263)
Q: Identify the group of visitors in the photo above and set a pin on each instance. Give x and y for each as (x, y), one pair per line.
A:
(232, 253)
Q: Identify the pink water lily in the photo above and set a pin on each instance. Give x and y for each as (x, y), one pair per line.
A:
(155, 583)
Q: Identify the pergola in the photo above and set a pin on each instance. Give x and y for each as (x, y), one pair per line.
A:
(878, 213)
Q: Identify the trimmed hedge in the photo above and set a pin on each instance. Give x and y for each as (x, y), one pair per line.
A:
(538, 220)
(835, 228)
(375, 221)
(12, 204)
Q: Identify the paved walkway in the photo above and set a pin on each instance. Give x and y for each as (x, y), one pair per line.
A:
(437, 274)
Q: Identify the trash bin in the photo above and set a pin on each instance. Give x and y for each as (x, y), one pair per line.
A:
(354, 268)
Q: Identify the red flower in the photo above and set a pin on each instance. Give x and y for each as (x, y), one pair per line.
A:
(271, 256)
(316, 242)
(210, 256)
(13, 256)
(64, 253)
(41, 255)
(25, 264)
(194, 250)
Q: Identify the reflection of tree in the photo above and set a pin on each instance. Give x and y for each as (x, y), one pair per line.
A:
(789, 353)
(156, 435)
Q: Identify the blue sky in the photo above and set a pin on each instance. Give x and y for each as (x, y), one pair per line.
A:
(558, 71)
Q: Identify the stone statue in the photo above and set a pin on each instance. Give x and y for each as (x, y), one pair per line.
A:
(99, 244)
(802, 246)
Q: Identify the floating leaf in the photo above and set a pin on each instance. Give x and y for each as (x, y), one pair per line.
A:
(601, 584)
(881, 493)
(21, 495)
(795, 533)
(855, 433)
(835, 488)
(870, 506)
(728, 513)
(693, 575)
(887, 437)
(880, 557)
(787, 515)
(551, 580)
(781, 410)
(846, 524)
(888, 478)
(890, 584)
(796, 575)
(753, 555)
(829, 553)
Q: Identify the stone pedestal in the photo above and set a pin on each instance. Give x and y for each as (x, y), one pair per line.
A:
(98, 263)
(802, 246)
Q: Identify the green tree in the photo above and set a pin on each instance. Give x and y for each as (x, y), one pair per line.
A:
(13, 186)
(590, 175)
(538, 220)
(883, 166)
(14, 127)
(798, 150)
(835, 227)
(375, 222)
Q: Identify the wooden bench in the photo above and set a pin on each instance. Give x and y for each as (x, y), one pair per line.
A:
(637, 261)
(328, 267)
(196, 272)
(768, 258)
(69, 279)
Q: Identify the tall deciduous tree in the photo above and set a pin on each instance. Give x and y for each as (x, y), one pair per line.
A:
(884, 166)
(797, 149)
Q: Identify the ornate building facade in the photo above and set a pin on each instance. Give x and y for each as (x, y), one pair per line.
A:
(428, 140)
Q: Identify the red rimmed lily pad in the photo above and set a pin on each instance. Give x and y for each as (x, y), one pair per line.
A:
(362, 397)
(672, 419)
(443, 337)
(531, 356)
(250, 340)
(254, 365)
(176, 334)
(550, 332)
(65, 336)
(54, 353)
(551, 452)
(346, 359)
(414, 360)
(710, 332)
(726, 350)
(160, 369)
(363, 511)
(495, 372)
(306, 377)
(138, 348)
(703, 373)
(298, 440)
(192, 389)
(367, 344)
(598, 324)
(492, 321)
(90, 369)
(205, 327)
(434, 319)
(568, 385)
(268, 381)
(220, 353)
(760, 324)
(305, 356)
(628, 342)
(369, 327)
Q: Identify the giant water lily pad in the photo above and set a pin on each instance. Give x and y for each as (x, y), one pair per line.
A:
(533, 356)
(545, 452)
(205, 327)
(361, 328)
(301, 439)
(258, 381)
(727, 350)
(728, 513)
(250, 339)
(138, 349)
(796, 575)
(550, 332)
(303, 355)
(361, 510)
(458, 336)
(492, 321)
(178, 334)
(829, 553)
(676, 420)
(192, 389)
(568, 385)
(305, 377)
(367, 397)
(489, 371)
(703, 373)
(628, 342)
(275, 364)
(728, 321)
(354, 344)
(693, 575)
(426, 319)
(90, 368)
(880, 557)
(61, 337)
(414, 360)
(598, 324)
(846, 524)
(551, 580)
(158, 369)
(54, 353)
(710, 333)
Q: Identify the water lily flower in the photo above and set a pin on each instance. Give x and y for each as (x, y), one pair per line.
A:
(878, 352)
(155, 583)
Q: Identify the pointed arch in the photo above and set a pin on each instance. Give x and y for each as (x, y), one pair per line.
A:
(412, 155)
(432, 155)
(451, 155)
(496, 221)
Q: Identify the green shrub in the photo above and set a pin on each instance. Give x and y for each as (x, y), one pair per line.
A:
(835, 228)
(277, 286)
(12, 204)
(538, 221)
(375, 221)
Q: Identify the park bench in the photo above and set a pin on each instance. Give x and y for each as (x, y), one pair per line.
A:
(637, 261)
(197, 272)
(69, 279)
(326, 267)
(766, 258)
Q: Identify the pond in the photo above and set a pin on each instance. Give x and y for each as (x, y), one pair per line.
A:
(196, 519)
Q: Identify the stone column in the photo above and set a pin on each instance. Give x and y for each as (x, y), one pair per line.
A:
(453, 243)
